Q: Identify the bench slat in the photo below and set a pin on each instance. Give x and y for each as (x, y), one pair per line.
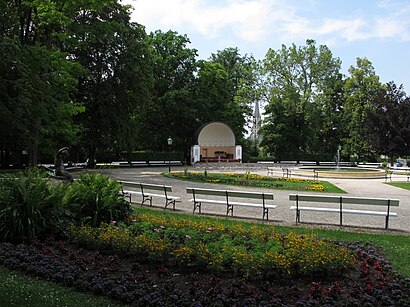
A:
(132, 192)
(157, 187)
(206, 191)
(232, 203)
(345, 199)
(231, 193)
(352, 211)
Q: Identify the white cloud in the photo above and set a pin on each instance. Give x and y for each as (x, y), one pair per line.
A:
(259, 20)
(396, 24)
(248, 20)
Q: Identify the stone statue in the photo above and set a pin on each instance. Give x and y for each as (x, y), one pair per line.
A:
(61, 155)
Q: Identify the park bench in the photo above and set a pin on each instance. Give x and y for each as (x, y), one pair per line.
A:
(231, 199)
(387, 175)
(339, 205)
(145, 191)
(286, 173)
(271, 170)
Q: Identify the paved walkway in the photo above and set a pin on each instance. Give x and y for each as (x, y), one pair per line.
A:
(282, 215)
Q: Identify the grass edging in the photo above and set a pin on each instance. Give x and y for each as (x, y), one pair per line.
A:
(401, 185)
(21, 290)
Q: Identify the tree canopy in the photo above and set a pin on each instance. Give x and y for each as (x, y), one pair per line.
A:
(388, 121)
(82, 75)
(301, 86)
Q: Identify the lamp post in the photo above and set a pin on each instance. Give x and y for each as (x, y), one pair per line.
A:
(169, 140)
(339, 148)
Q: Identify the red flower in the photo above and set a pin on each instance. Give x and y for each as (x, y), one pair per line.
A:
(369, 288)
(378, 266)
(314, 288)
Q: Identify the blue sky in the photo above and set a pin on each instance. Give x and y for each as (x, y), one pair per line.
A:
(378, 30)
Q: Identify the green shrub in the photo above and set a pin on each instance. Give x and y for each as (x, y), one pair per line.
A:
(95, 199)
(28, 202)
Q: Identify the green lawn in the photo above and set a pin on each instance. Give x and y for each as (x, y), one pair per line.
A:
(19, 290)
(403, 185)
(257, 181)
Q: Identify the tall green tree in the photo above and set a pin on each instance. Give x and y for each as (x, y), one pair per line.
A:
(242, 79)
(360, 89)
(37, 81)
(388, 122)
(118, 77)
(211, 93)
(172, 111)
(302, 86)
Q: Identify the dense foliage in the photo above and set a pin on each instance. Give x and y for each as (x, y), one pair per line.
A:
(95, 199)
(84, 75)
(29, 206)
(388, 121)
(33, 207)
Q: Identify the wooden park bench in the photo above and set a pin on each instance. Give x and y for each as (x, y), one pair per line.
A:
(145, 191)
(286, 173)
(271, 170)
(339, 205)
(231, 199)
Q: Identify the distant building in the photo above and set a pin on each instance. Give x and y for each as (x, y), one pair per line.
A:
(256, 123)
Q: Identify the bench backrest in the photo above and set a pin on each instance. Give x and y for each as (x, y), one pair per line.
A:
(147, 186)
(157, 187)
(345, 199)
(130, 183)
(230, 193)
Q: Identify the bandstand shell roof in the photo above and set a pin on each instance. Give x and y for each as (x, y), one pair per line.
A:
(215, 134)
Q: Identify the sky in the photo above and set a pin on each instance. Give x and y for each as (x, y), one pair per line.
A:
(378, 30)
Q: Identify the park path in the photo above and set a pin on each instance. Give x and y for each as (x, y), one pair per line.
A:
(282, 215)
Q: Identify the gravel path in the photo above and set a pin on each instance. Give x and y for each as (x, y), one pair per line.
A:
(282, 215)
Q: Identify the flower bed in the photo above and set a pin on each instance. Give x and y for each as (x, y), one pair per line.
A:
(254, 252)
(139, 283)
(255, 180)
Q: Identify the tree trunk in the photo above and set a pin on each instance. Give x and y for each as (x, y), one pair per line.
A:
(33, 158)
(91, 156)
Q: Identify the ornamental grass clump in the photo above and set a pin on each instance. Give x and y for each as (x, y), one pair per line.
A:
(96, 199)
(250, 252)
(30, 206)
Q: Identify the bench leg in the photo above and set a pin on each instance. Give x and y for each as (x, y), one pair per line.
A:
(126, 195)
(297, 216)
(169, 202)
(265, 212)
(229, 208)
(197, 205)
(145, 198)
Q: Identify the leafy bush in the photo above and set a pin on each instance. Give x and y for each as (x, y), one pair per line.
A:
(95, 199)
(28, 202)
